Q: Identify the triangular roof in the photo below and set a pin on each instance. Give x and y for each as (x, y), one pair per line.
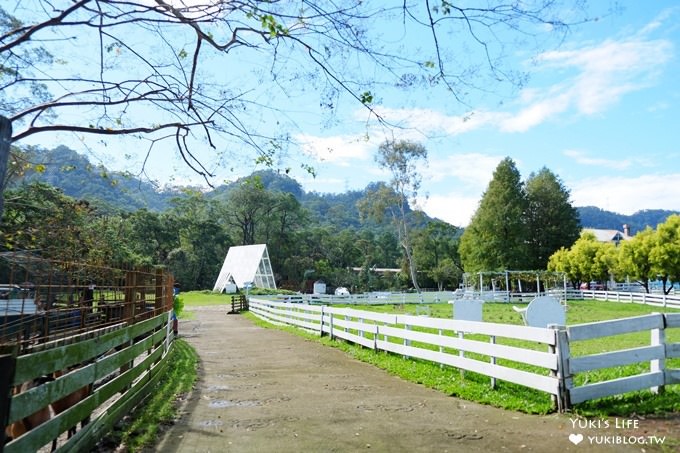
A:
(607, 235)
(246, 263)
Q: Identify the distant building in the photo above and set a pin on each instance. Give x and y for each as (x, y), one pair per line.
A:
(246, 264)
(613, 236)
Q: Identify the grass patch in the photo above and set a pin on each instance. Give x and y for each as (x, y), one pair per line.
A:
(204, 298)
(142, 428)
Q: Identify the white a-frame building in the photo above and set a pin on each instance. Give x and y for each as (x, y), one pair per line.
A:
(246, 263)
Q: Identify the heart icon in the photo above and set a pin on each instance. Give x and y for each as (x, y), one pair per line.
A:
(575, 438)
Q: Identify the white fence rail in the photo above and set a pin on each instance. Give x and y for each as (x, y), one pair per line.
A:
(655, 353)
(377, 298)
(438, 340)
(457, 343)
(381, 298)
(426, 297)
(657, 300)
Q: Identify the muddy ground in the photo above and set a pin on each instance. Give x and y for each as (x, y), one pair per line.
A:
(265, 390)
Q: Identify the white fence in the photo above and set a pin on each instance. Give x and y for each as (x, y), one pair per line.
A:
(376, 298)
(472, 346)
(658, 300)
(381, 298)
(425, 297)
(655, 354)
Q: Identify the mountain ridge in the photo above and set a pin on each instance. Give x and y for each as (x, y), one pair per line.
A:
(73, 173)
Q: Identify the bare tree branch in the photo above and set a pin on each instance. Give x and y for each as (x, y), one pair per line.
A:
(119, 67)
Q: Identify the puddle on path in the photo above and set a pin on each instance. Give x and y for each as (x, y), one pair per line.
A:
(216, 388)
(208, 423)
(231, 403)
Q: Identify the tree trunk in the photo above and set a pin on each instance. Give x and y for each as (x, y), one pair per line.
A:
(5, 140)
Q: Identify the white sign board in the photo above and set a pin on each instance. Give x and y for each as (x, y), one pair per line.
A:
(545, 310)
(467, 309)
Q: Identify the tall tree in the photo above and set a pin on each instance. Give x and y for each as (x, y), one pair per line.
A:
(41, 219)
(401, 159)
(203, 242)
(666, 253)
(586, 260)
(551, 219)
(635, 258)
(247, 208)
(496, 238)
(147, 68)
(436, 251)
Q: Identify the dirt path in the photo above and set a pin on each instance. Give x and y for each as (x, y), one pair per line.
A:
(264, 390)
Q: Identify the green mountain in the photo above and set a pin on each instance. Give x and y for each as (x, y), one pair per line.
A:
(593, 217)
(79, 178)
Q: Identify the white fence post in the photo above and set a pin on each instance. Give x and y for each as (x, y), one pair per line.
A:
(321, 321)
(563, 374)
(492, 340)
(461, 353)
(658, 338)
(407, 342)
(441, 349)
(376, 337)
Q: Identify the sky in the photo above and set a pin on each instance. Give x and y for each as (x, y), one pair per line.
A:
(601, 111)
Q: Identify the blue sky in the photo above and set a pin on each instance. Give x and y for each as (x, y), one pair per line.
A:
(601, 111)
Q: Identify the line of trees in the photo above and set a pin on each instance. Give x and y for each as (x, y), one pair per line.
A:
(650, 255)
(193, 236)
(519, 225)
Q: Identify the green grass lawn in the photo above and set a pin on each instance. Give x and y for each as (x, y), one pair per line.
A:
(204, 298)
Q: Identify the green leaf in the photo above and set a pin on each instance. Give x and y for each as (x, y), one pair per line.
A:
(366, 97)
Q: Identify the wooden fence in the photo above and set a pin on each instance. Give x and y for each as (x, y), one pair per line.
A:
(122, 362)
(473, 346)
(68, 326)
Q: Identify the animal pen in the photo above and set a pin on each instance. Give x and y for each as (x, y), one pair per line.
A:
(69, 327)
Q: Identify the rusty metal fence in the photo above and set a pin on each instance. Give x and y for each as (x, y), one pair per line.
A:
(44, 301)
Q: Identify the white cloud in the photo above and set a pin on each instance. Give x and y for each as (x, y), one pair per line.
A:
(593, 79)
(607, 71)
(454, 208)
(473, 169)
(535, 114)
(582, 158)
(339, 150)
(628, 195)
(427, 121)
